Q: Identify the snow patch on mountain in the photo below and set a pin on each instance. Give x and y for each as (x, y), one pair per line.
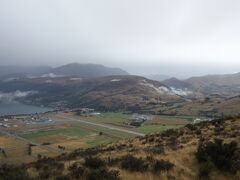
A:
(51, 75)
(75, 79)
(115, 80)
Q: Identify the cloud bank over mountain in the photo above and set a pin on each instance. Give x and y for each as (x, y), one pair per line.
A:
(138, 35)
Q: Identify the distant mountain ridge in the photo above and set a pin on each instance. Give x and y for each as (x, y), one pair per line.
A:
(73, 69)
(87, 70)
(225, 79)
(227, 84)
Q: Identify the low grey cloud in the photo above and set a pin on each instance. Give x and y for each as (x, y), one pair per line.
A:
(138, 35)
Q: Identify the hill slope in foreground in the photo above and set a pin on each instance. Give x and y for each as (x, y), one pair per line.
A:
(205, 150)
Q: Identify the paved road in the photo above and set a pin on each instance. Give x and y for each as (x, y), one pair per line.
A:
(102, 125)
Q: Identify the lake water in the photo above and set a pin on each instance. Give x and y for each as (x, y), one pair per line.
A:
(15, 108)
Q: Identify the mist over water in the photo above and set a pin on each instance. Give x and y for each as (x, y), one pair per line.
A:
(10, 97)
(9, 104)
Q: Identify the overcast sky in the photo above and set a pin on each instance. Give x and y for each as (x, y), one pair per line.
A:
(173, 37)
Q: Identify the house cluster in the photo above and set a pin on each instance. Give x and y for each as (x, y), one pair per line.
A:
(83, 111)
(198, 120)
(138, 119)
(37, 119)
(5, 122)
(80, 110)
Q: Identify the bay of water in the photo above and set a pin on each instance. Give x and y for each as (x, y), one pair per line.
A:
(15, 108)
